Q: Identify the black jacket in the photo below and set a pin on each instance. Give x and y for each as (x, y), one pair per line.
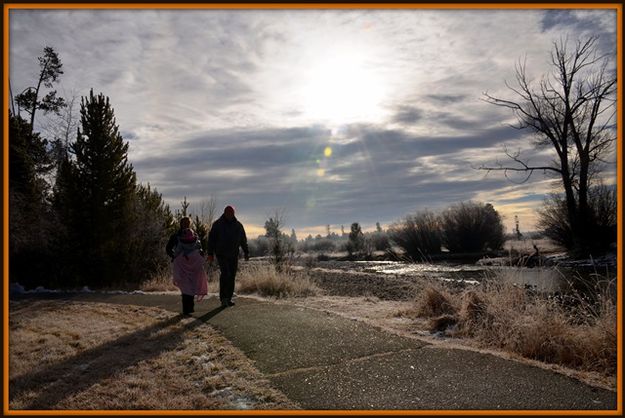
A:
(225, 238)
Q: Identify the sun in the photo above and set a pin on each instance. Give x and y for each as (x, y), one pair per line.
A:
(340, 88)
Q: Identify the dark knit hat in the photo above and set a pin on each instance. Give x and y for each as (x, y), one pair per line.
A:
(229, 210)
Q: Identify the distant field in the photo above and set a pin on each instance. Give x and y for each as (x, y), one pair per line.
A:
(71, 355)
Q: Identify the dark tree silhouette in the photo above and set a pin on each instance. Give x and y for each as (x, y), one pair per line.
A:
(50, 69)
(571, 111)
(472, 227)
(553, 220)
(279, 243)
(95, 194)
(154, 223)
(356, 240)
(419, 235)
(29, 217)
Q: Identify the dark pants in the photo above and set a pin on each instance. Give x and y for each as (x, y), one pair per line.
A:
(228, 267)
(187, 304)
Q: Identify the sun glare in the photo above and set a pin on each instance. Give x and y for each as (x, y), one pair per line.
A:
(340, 88)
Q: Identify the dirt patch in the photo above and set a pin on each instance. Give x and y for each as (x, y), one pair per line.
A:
(359, 284)
(73, 355)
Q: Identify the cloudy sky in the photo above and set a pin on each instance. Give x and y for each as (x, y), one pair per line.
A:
(333, 116)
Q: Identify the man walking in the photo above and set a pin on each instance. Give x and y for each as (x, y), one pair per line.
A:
(224, 239)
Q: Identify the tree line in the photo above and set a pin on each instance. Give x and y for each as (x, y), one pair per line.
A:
(467, 227)
(77, 215)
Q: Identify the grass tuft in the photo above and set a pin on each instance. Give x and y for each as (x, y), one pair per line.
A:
(161, 282)
(435, 301)
(499, 315)
(266, 280)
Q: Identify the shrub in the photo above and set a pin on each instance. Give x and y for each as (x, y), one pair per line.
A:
(418, 235)
(259, 247)
(553, 219)
(501, 315)
(472, 227)
(146, 256)
(379, 240)
(322, 245)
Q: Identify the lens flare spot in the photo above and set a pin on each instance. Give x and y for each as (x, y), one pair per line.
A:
(327, 152)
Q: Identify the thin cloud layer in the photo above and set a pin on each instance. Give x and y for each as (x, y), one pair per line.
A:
(337, 116)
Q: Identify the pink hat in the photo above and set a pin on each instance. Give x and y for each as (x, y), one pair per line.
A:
(187, 235)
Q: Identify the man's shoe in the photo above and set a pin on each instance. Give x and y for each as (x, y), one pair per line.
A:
(224, 304)
(230, 303)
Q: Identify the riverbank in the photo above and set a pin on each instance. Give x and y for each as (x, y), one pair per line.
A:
(514, 253)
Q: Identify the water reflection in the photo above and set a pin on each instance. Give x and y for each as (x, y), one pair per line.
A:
(541, 279)
(548, 280)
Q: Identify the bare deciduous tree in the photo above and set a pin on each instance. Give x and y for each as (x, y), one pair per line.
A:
(572, 112)
(208, 210)
(61, 126)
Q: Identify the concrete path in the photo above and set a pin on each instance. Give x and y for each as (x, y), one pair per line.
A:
(323, 361)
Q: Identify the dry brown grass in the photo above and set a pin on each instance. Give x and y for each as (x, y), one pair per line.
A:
(70, 355)
(435, 301)
(502, 316)
(266, 280)
(262, 279)
(163, 281)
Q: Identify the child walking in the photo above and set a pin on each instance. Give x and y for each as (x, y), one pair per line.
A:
(185, 250)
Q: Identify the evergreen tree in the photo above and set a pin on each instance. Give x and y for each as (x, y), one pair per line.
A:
(202, 230)
(356, 241)
(272, 228)
(278, 241)
(154, 221)
(28, 162)
(50, 69)
(28, 206)
(97, 191)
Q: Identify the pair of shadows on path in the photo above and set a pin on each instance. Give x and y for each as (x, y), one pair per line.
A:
(58, 381)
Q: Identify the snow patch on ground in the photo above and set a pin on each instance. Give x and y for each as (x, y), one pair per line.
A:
(17, 289)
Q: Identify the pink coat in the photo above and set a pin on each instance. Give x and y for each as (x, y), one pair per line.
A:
(189, 274)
